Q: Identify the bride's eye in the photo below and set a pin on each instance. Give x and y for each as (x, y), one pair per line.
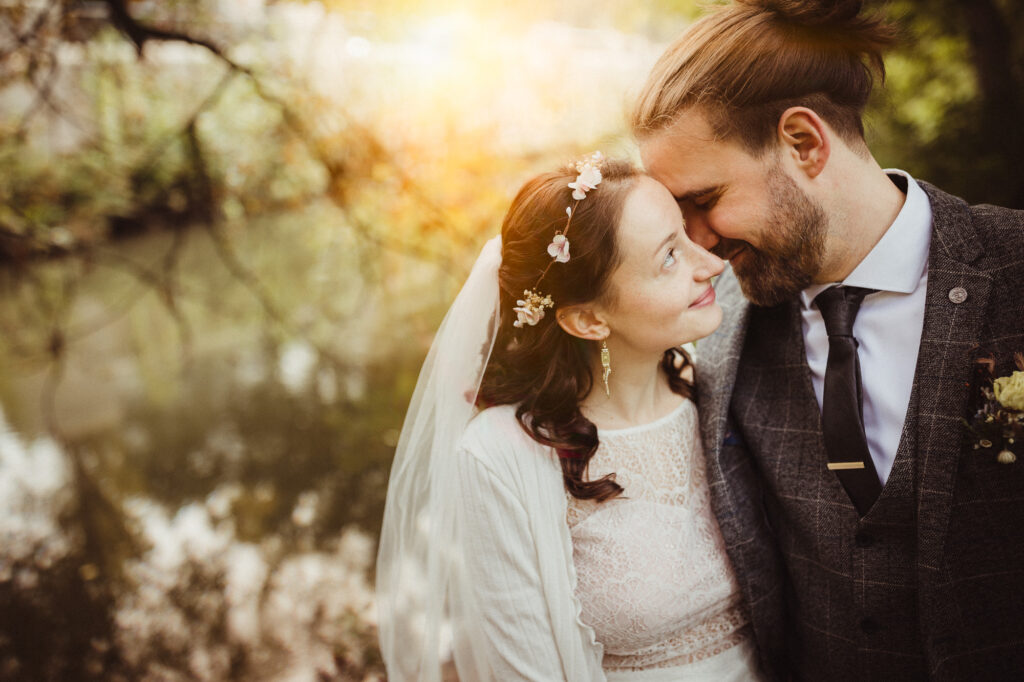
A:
(670, 258)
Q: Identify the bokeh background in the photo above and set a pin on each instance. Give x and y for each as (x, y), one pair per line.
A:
(228, 229)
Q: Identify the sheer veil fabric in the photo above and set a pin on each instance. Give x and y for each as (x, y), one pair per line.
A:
(418, 554)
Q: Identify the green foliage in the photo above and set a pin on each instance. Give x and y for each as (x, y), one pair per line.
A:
(941, 115)
(145, 153)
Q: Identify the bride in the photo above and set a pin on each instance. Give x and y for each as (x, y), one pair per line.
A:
(548, 516)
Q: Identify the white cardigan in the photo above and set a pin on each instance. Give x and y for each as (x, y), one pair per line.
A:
(517, 617)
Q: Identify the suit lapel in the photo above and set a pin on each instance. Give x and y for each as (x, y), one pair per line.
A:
(942, 379)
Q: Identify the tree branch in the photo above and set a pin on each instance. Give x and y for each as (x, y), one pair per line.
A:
(42, 97)
(140, 34)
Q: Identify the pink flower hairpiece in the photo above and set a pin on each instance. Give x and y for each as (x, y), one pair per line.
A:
(559, 248)
(530, 309)
(589, 177)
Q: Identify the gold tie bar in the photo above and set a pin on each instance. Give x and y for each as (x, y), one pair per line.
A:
(836, 466)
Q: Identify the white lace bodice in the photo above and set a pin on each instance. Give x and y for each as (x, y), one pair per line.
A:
(653, 577)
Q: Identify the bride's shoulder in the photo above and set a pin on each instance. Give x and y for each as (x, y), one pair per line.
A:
(493, 422)
(495, 432)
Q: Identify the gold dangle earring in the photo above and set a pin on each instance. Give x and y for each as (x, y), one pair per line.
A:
(606, 363)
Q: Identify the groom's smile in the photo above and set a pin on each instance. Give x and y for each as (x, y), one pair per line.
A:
(743, 208)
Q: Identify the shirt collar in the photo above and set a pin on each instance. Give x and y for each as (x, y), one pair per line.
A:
(900, 257)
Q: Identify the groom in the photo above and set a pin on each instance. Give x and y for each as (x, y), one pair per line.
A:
(872, 539)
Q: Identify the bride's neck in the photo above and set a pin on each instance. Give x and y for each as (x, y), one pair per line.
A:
(638, 392)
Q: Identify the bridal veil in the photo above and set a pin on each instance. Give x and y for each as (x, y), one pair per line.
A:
(418, 558)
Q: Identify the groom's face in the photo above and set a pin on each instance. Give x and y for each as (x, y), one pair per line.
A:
(745, 209)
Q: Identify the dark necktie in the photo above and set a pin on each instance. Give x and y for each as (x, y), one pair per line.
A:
(842, 416)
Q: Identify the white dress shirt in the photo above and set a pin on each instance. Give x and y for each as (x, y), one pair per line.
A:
(888, 326)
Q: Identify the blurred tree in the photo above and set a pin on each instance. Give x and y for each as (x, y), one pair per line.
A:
(954, 104)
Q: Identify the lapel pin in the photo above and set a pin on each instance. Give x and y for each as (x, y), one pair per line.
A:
(958, 294)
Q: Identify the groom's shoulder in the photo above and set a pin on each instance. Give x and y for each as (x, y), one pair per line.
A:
(727, 288)
(1001, 235)
(999, 230)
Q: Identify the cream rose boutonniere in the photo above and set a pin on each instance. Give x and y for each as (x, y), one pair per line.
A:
(998, 425)
(1009, 391)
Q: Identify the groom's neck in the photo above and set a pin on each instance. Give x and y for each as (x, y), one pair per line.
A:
(863, 203)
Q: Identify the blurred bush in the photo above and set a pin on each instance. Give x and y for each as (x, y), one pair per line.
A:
(953, 105)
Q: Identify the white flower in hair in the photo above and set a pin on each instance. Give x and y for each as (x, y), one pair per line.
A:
(527, 316)
(595, 159)
(559, 248)
(588, 179)
(530, 309)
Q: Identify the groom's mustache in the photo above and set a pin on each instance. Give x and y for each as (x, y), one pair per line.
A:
(726, 249)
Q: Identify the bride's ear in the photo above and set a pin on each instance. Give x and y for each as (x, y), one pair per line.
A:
(583, 322)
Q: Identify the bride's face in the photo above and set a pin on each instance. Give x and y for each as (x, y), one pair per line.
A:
(661, 293)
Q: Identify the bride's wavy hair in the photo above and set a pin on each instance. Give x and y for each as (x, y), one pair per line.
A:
(542, 369)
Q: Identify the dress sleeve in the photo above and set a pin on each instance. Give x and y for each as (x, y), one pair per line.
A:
(507, 626)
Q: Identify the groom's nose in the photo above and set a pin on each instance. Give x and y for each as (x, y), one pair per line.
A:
(701, 233)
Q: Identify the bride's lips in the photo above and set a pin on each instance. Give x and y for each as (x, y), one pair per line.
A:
(705, 299)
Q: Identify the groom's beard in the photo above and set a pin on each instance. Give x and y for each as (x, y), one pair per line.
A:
(791, 250)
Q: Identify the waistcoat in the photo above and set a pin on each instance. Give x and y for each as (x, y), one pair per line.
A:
(851, 583)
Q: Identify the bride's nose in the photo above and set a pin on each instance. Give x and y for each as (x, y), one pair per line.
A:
(705, 264)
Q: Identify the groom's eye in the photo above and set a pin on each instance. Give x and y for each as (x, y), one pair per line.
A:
(706, 201)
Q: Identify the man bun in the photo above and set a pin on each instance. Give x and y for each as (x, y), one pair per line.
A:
(842, 23)
(809, 13)
(746, 62)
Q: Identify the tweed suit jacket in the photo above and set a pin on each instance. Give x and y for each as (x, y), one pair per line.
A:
(968, 509)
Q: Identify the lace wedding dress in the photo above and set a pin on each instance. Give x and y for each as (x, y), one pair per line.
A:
(653, 578)
(483, 558)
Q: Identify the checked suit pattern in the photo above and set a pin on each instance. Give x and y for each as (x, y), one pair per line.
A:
(929, 584)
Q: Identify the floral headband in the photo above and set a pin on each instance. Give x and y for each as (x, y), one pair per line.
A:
(530, 309)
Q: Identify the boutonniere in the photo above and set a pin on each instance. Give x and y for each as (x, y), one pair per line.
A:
(998, 425)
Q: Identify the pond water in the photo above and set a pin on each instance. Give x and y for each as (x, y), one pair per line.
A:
(193, 461)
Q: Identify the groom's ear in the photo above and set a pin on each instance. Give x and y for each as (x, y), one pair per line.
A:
(583, 322)
(806, 139)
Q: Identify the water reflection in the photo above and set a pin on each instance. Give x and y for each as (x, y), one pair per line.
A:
(33, 490)
(210, 515)
(216, 607)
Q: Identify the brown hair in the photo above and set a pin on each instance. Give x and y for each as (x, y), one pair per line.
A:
(747, 62)
(542, 369)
